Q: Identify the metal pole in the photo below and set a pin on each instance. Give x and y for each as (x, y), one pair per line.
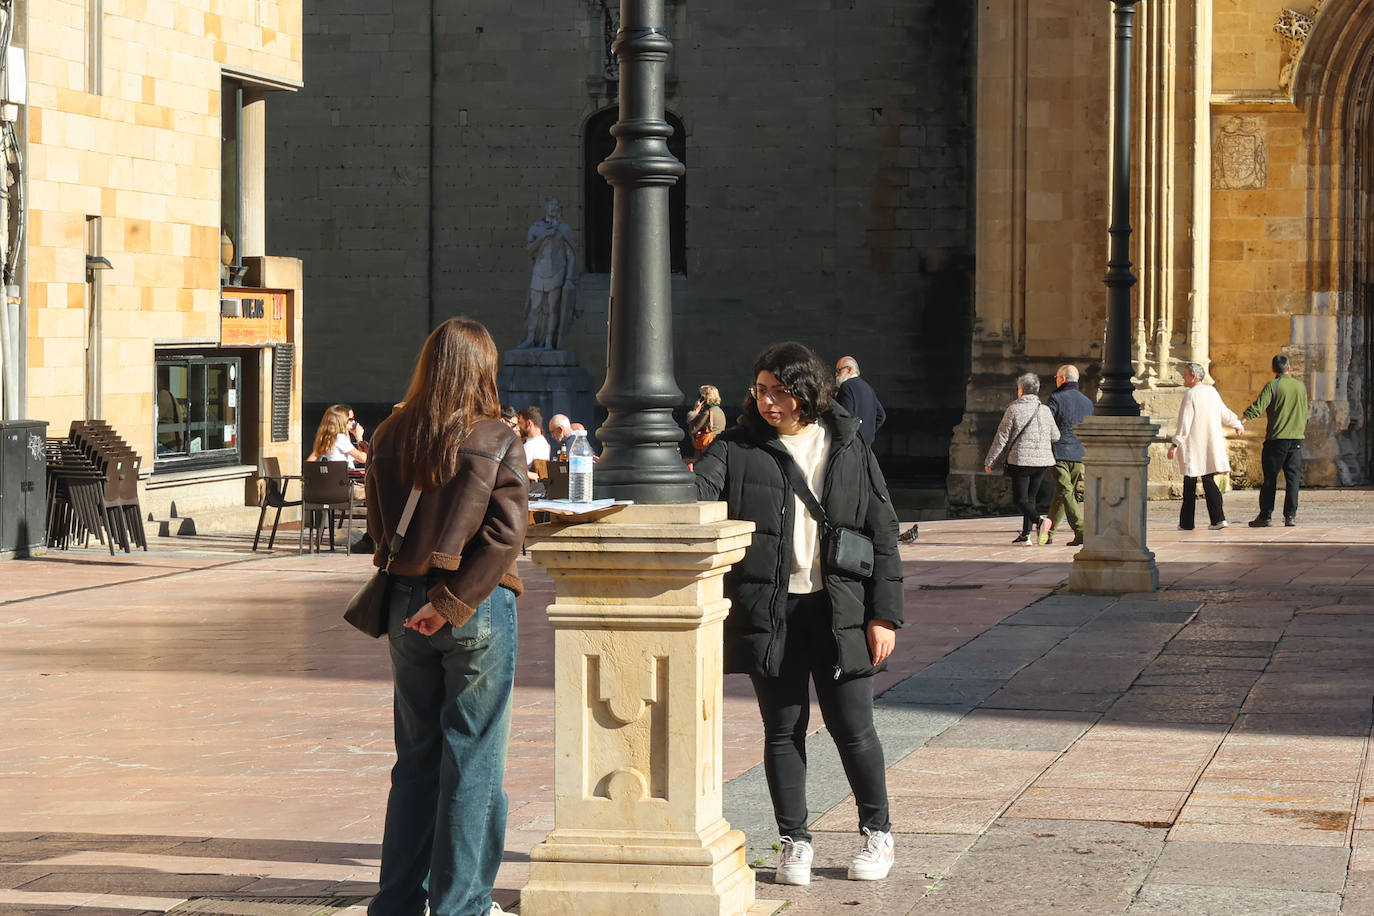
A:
(641, 460)
(1118, 394)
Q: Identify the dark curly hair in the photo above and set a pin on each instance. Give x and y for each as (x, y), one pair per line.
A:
(799, 368)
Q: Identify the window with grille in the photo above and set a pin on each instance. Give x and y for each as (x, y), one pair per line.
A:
(283, 361)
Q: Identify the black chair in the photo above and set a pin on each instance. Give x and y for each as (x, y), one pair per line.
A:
(325, 489)
(274, 486)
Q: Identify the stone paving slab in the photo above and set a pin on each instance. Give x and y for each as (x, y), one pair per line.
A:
(1041, 866)
(198, 718)
(1146, 807)
(1251, 865)
(921, 860)
(1016, 730)
(1180, 898)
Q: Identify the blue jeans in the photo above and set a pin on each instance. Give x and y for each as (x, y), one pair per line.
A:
(446, 815)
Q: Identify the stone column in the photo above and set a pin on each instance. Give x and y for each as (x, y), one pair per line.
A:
(252, 166)
(637, 620)
(1114, 558)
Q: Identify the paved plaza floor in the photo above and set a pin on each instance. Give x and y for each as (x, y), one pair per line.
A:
(195, 729)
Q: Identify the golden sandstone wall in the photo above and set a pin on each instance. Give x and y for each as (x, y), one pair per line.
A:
(1259, 274)
(143, 155)
(1251, 235)
(1288, 235)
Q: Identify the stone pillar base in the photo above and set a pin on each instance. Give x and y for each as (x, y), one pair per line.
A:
(638, 624)
(569, 873)
(1114, 558)
(1113, 577)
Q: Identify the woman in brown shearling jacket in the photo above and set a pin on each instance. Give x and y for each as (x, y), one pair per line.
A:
(452, 628)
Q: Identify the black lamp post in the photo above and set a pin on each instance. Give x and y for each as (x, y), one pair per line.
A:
(641, 460)
(1118, 394)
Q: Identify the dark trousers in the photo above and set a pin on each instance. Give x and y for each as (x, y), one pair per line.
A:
(445, 826)
(1216, 511)
(1029, 493)
(1280, 455)
(809, 654)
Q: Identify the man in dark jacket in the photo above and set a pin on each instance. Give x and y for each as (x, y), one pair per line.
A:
(858, 397)
(1068, 406)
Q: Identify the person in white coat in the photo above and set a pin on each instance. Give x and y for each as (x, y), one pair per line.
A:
(1200, 444)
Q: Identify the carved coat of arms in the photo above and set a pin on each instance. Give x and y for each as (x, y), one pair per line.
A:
(1238, 155)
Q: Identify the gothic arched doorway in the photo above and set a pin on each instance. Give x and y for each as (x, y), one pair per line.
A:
(600, 196)
(1333, 83)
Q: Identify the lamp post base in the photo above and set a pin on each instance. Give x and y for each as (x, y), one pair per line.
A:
(1116, 464)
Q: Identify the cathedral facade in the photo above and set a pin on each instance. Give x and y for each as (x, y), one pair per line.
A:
(1251, 206)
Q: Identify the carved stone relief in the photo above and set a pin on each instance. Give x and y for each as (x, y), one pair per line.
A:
(1296, 28)
(627, 724)
(1239, 154)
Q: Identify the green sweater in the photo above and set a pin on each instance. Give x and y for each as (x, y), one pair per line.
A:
(1285, 401)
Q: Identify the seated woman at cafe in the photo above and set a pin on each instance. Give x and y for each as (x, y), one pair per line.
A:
(332, 442)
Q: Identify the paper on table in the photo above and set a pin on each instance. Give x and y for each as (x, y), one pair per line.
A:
(568, 507)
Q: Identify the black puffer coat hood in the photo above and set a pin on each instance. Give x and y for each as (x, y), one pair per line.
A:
(743, 467)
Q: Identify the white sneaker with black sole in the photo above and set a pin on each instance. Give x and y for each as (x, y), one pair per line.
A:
(874, 861)
(795, 865)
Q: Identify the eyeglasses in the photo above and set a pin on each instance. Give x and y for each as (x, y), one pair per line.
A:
(764, 393)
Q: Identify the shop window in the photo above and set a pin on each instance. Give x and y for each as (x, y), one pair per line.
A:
(600, 196)
(197, 404)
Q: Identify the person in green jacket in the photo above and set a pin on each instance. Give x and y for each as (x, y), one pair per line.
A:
(1284, 400)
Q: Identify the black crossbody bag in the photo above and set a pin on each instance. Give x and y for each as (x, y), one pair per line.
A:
(843, 550)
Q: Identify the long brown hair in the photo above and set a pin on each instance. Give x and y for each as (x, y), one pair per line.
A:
(453, 387)
(334, 421)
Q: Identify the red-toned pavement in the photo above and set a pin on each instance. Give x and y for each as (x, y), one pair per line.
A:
(197, 724)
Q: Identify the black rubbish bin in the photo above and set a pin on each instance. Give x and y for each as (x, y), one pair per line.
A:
(23, 488)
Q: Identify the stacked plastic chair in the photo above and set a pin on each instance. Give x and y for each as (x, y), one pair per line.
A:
(93, 488)
(76, 494)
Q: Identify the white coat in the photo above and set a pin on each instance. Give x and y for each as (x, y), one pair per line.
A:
(1201, 435)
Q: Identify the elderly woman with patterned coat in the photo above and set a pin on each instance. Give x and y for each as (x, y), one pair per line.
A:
(1026, 434)
(1200, 444)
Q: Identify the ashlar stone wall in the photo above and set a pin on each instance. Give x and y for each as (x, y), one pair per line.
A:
(143, 155)
(828, 191)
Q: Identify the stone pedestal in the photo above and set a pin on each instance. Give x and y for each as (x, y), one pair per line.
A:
(1114, 558)
(637, 624)
(551, 380)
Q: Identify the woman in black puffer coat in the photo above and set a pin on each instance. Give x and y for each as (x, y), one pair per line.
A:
(793, 620)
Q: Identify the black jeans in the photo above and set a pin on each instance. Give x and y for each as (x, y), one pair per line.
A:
(809, 654)
(1216, 512)
(1280, 455)
(1029, 493)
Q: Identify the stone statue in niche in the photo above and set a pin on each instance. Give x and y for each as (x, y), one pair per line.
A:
(1238, 155)
(551, 301)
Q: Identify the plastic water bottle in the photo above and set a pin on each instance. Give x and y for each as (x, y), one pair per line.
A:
(580, 459)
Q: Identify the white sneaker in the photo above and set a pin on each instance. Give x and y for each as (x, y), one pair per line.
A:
(496, 910)
(874, 861)
(1219, 525)
(795, 865)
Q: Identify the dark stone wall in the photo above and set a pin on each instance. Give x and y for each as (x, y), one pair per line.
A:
(829, 193)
